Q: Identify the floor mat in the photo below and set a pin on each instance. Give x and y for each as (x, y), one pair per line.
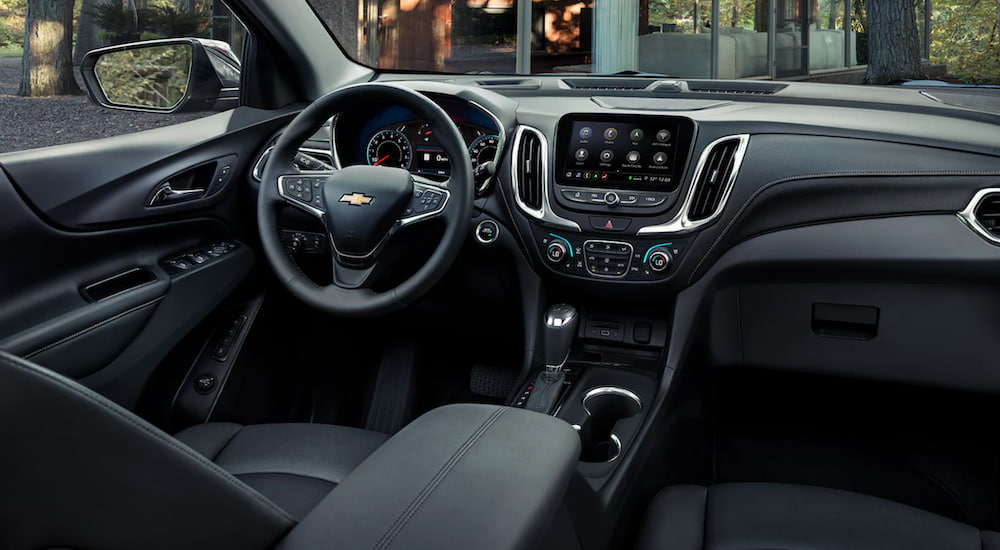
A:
(931, 449)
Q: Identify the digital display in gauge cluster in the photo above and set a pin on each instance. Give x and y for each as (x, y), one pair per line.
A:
(414, 146)
(389, 135)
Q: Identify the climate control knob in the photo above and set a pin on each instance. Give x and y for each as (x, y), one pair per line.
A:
(556, 252)
(659, 260)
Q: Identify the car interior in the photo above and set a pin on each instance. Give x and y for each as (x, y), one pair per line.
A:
(388, 309)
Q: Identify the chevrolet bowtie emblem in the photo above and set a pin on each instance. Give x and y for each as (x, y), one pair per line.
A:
(357, 199)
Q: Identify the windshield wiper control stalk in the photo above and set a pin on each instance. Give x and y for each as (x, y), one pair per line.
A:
(561, 321)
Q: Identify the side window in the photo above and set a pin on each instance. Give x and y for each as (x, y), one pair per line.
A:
(179, 60)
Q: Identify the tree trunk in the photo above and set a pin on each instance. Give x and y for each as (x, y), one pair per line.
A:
(47, 65)
(893, 42)
(86, 31)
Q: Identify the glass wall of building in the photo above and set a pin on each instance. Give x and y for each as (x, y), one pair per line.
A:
(727, 39)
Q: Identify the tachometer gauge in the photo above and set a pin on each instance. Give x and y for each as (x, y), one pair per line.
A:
(390, 148)
(483, 150)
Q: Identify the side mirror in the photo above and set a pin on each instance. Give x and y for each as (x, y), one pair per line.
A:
(164, 76)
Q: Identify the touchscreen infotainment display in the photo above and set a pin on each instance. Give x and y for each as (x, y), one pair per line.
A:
(627, 152)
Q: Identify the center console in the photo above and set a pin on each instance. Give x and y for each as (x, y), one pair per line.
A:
(613, 180)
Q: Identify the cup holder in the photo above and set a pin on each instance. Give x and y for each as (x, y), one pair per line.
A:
(605, 406)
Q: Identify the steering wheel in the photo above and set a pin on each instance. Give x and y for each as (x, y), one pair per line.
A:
(361, 207)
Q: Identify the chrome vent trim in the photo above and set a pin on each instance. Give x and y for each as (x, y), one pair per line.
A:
(970, 215)
(544, 210)
(682, 222)
(710, 184)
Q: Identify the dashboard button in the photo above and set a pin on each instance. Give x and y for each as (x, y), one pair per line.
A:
(575, 195)
(629, 198)
(605, 223)
(556, 252)
(596, 196)
(659, 260)
(651, 199)
(611, 198)
(487, 231)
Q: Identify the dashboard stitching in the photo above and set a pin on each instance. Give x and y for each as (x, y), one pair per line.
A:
(779, 181)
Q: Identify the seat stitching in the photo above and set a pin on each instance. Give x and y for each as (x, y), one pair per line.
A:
(112, 408)
(226, 444)
(411, 509)
(846, 174)
(91, 327)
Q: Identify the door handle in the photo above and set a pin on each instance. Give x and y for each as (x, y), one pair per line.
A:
(166, 195)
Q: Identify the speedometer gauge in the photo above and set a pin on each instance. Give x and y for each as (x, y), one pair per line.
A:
(483, 150)
(390, 148)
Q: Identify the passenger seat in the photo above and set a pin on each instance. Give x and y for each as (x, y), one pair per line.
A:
(772, 516)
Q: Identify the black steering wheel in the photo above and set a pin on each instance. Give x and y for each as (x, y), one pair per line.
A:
(363, 206)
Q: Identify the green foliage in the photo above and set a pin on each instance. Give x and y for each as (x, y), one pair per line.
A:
(161, 19)
(964, 38)
(155, 76)
(11, 36)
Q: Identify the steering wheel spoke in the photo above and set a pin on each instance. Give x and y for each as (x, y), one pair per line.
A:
(351, 277)
(304, 191)
(429, 201)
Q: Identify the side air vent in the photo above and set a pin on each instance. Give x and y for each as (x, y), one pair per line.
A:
(608, 83)
(529, 169)
(714, 177)
(988, 213)
(735, 88)
(983, 214)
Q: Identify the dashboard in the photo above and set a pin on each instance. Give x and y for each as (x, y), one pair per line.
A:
(392, 136)
(639, 188)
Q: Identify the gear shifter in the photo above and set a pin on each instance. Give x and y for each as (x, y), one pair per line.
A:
(560, 328)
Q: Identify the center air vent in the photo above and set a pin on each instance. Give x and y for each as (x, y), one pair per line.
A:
(714, 177)
(983, 214)
(529, 168)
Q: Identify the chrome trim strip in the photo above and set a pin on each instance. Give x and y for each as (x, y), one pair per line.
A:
(681, 222)
(968, 215)
(610, 390)
(544, 213)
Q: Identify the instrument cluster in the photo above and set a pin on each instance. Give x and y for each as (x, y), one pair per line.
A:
(394, 136)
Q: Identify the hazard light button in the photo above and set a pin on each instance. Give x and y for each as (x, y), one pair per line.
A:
(605, 223)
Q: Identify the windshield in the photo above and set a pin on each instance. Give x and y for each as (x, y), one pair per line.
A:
(842, 41)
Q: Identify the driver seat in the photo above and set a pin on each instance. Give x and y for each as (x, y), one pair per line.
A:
(81, 472)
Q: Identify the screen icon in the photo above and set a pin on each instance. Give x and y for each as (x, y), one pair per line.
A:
(663, 136)
(581, 154)
(632, 157)
(607, 155)
(636, 135)
(611, 134)
(586, 132)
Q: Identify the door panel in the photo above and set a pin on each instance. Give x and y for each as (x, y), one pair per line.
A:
(87, 286)
(109, 182)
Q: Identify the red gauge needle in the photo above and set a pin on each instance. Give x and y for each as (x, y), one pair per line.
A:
(381, 160)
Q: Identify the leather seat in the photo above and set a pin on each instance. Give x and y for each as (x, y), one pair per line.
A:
(80, 471)
(762, 516)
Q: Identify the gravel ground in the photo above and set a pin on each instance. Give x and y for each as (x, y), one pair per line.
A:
(30, 122)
